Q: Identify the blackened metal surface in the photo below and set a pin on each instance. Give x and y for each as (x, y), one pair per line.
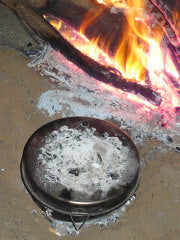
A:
(63, 205)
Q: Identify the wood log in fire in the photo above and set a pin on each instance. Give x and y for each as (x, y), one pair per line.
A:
(45, 31)
(105, 26)
(170, 10)
(99, 21)
(72, 11)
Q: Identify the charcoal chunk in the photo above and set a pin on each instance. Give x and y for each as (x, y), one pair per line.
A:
(60, 146)
(99, 158)
(170, 139)
(74, 171)
(114, 176)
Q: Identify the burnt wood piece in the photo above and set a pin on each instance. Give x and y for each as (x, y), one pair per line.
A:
(173, 80)
(174, 55)
(45, 31)
(109, 28)
(71, 11)
(166, 8)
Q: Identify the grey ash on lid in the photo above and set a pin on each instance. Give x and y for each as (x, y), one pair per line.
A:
(82, 166)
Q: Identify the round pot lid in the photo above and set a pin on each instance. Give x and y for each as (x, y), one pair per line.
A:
(80, 163)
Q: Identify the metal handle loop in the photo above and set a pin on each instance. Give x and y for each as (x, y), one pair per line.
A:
(79, 214)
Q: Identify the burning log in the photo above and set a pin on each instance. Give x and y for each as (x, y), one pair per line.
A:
(99, 71)
(97, 21)
(167, 13)
(109, 26)
(174, 55)
(45, 31)
(72, 11)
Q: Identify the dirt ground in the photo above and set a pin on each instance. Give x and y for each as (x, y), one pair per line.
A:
(153, 215)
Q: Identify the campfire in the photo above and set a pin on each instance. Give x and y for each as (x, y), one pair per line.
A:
(132, 51)
(133, 47)
(113, 60)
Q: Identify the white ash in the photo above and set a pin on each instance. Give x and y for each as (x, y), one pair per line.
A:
(77, 94)
(86, 163)
(63, 228)
(33, 211)
(80, 95)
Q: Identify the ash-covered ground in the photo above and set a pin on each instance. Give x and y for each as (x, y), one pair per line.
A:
(74, 93)
(85, 96)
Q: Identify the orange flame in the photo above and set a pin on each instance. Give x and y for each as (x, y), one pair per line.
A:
(130, 56)
(56, 23)
(113, 3)
(176, 16)
(138, 51)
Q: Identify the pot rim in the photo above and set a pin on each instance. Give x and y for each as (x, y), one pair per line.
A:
(29, 184)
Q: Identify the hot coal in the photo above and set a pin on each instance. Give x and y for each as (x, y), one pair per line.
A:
(48, 33)
(175, 57)
(166, 7)
(45, 31)
(177, 110)
(100, 72)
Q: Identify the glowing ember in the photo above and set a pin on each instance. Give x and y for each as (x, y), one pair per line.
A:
(141, 55)
(114, 3)
(56, 23)
(176, 17)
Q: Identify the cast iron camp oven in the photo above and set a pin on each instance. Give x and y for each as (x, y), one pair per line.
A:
(62, 207)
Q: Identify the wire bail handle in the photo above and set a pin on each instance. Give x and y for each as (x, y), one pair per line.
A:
(79, 213)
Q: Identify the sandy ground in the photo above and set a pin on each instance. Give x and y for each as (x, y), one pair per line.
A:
(152, 216)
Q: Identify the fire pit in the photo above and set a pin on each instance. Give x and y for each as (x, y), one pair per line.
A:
(80, 167)
(132, 46)
(151, 92)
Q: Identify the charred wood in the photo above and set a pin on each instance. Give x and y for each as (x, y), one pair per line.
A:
(71, 11)
(102, 73)
(110, 27)
(166, 8)
(172, 80)
(45, 31)
(174, 55)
